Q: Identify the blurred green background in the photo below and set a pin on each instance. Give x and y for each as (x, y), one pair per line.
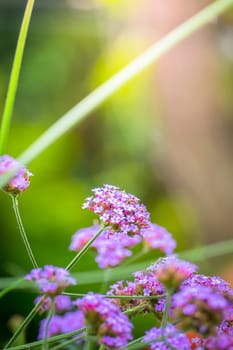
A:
(137, 140)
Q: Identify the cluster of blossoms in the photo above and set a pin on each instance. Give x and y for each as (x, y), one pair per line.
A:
(105, 319)
(145, 284)
(111, 249)
(20, 182)
(51, 280)
(118, 210)
(194, 311)
(127, 224)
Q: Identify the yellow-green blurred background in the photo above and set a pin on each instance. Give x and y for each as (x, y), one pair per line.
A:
(165, 137)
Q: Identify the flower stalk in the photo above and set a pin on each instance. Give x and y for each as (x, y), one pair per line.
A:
(22, 231)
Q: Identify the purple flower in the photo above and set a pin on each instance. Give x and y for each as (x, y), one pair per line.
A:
(219, 342)
(166, 339)
(72, 321)
(54, 326)
(20, 181)
(111, 249)
(157, 237)
(120, 211)
(61, 302)
(144, 284)
(51, 280)
(199, 308)
(104, 319)
(214, 282)
(227, 324)
(171, 271)
(69, 322)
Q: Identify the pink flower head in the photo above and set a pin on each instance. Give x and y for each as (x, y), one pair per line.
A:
(199, 308)
(171, 271)
(111, 249)
(120, 211)
(51, 280)
(157, 237)
(104, 319)
(20, 181)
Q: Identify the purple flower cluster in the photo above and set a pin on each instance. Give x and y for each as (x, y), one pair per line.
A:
(214, 282)
(199, 308)
(20, 181)
(144, 284)
(104, 319)
(61, 303)
(51, 280)
(171, 271)
(157, 237)
(111, 249)
(120, 211)
(167, 339)
(59, 324)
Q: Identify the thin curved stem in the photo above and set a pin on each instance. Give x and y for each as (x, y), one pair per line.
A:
(50, 340)
(14, 77)
(68, 342)
(24, 323)
(49, 318)
(85, 248)
(166, 311)
(22, 231)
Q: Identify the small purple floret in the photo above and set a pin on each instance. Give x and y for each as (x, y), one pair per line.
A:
(20, 181)
(51, 280)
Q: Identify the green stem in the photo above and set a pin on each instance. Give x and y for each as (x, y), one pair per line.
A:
(103, 92)
(25, 323)
(133, 309)
(68, 342)
(101, 347)
(14, 77)
(50, 315)
(12, 286)
(85, 248)
(167, 308)
(50, 340)
(22, 231)
(119, 296)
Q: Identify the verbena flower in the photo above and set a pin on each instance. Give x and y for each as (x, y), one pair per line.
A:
(61, 303)
(105, 320)
(111, 249)
(54, 326)
(171, 271)
(226, 326)
(199, 308)
(157, 237)
(214, 282)
(219, 342)
(51, 280)
(144, 284)
(71, 321)
(166, 339)
(20, 182)
(120, 211)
